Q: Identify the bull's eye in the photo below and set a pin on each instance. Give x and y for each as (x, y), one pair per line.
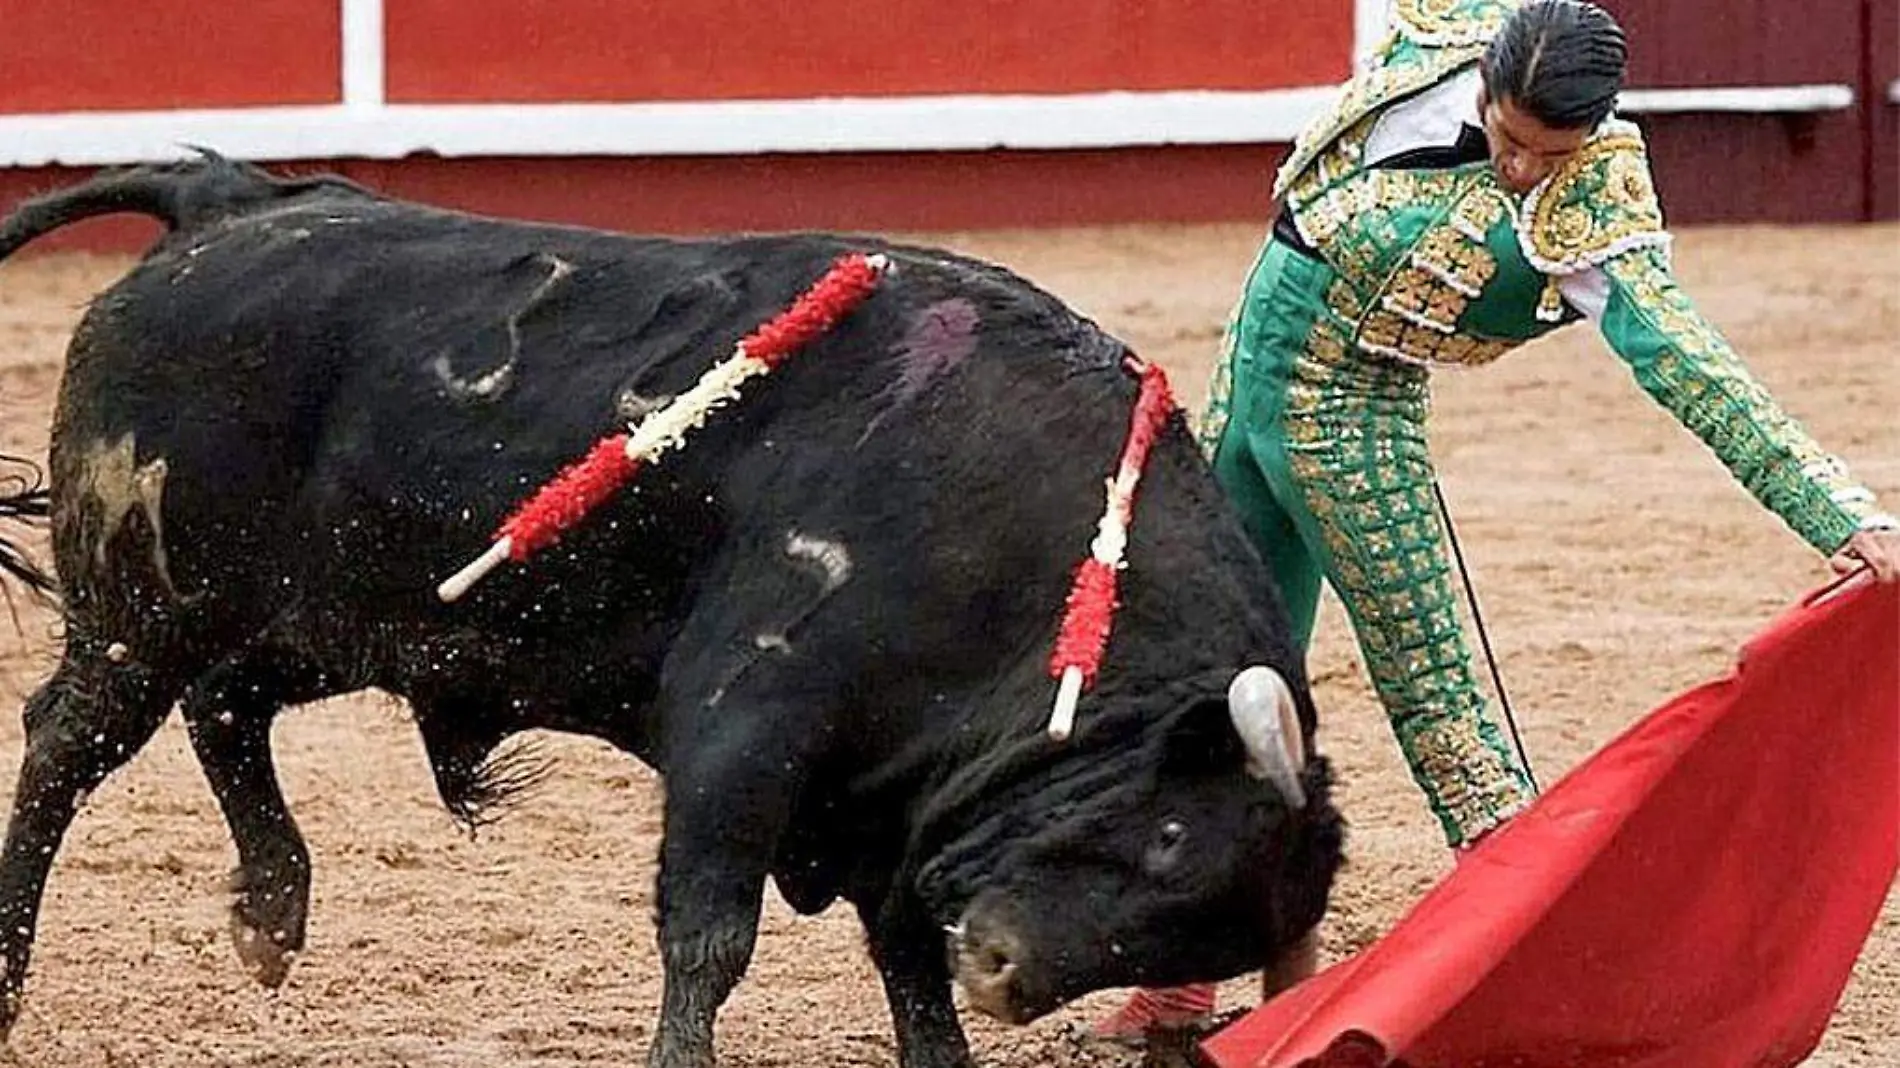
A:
(1165, 851)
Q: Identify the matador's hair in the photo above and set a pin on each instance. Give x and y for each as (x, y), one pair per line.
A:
(1562, 62)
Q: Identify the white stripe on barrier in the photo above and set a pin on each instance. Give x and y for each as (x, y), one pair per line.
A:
(1774, 99)
(363, 54)
(1368, 26)
(360, 128)
(1089, 120)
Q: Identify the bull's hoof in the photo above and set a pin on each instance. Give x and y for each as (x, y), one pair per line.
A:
(660, 1057)
(1174, 1048)
(1152, 1047)
(10, 1002)
(266, 955)
(1181, 1048)
(266, 929)
(681, 1047)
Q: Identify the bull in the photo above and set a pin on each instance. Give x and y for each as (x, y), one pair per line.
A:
(826, 622)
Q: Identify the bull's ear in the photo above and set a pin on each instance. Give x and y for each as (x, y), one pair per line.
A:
(1203, 739)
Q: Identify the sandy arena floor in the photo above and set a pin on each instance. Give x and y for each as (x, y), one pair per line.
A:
(1617, 562)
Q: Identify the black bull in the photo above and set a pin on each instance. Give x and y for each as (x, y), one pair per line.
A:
(825, 621)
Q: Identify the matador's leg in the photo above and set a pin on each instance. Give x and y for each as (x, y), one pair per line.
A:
(1296, 570)
(1346, 452)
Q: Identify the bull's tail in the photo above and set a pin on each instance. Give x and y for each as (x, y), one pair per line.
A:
(24, 499)
(182, 195)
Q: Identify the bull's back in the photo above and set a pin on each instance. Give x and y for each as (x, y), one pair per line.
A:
(347, 395)
(192, 392)
(217, 385)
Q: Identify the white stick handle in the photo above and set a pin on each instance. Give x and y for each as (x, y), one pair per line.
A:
(458, 584)
(1062, 722)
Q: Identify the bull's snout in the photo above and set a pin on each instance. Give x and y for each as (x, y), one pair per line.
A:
(986, 959)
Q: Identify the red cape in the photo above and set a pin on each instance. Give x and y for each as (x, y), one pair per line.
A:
(1692, 896)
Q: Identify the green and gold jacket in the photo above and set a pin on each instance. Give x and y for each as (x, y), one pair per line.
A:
(1450, 267)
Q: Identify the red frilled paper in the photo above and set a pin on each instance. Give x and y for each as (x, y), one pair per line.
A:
(1693, 896)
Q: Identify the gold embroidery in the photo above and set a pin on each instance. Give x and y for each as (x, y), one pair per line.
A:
(1400, 69)
(1389, 334)
(1451, 22)
(1469, 351)
(1550, 306)
(1218, 410)
(1456, 260)
(1381, 332)
(1354, 431)
(1600, 203)
(1342, 300)
(1401, 300)
(1430, 40)
(1326, 344)
(1422, 300)
(1476, 784)
(1478, 211)
(1357, 223)
(1686, 365)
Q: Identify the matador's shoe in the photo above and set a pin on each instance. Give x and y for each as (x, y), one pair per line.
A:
(1172, 1009)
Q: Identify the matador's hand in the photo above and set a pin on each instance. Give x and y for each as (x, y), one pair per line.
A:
(1878, 549)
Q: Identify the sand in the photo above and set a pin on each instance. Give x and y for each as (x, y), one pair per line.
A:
(1617, 562)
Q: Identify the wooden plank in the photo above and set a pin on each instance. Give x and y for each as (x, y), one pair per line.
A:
(1697, 43)
(1882, 79)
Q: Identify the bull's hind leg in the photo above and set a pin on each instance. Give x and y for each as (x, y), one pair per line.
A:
(229, 713)
(81, 725)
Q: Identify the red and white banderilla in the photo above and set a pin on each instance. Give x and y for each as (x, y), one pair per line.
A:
(615, 460)
(1077, 659)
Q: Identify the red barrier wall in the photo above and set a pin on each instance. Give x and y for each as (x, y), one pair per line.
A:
(87, 56)
(1740, 42)
(598, 50)
(1753, 168)
(1767, 168)
(1880, 84)
(833, 191)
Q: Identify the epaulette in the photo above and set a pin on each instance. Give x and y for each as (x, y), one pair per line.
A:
(1429, 41)
(1600, 203)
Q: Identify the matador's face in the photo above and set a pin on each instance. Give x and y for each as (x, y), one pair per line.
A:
(1524, 150)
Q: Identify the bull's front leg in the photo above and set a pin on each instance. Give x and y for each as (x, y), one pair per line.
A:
(726, 806)
(914, 964)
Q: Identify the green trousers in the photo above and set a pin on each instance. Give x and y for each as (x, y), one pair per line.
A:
(1323, 448)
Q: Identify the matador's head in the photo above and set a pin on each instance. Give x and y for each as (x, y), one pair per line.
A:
(1550, 76)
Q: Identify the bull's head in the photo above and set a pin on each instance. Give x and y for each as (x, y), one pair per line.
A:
(1200, 848)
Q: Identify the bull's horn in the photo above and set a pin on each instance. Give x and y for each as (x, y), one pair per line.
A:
(1268, 721)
